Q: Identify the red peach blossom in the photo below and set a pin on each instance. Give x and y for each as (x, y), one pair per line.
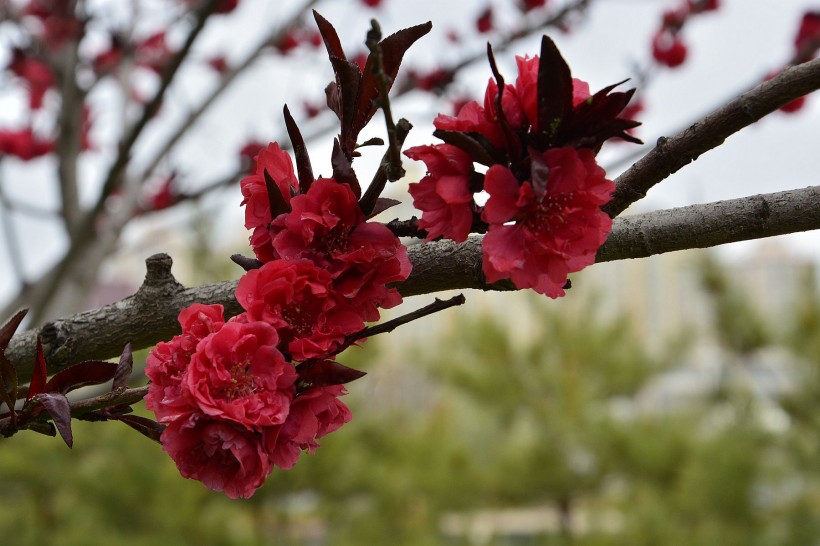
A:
(238, 374)
(526, 88)
(327, 227)
(222, 455)
(168, 361)
(297, 299)
(24, 144)
(279, 167)
(444, 195)
(472, 118)
(557, 229)
(668, 49)
(314, 414)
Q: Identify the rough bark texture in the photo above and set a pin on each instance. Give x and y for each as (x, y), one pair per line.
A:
(671, 154)
(150, 315)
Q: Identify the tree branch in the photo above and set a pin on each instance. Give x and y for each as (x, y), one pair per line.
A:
(83, 234)
(670, 154)
(150, 315)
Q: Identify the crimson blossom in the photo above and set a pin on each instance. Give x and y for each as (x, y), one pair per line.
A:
(444, 194)
(558, 221)
(538, 139)
(297, 298)
(327, 227)
(233, 406)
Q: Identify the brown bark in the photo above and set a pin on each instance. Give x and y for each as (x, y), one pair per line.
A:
(150, 315)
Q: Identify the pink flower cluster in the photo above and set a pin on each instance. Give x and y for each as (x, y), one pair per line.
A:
(543, 216)
(235, 403)
(232, 402)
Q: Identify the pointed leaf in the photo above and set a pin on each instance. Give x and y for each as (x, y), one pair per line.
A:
(477, 146)
(323, 373)
(382, 204)
(10, 327)
(303, 167)
(124, 368)
(143, 425)
(554, 87)
(393, 49)
(8, 386)
(342, 169)
(39, 375)
(56, 404)
(348, 80)
(329, 36)
(334, 99)
(277, 202)
(82, 374)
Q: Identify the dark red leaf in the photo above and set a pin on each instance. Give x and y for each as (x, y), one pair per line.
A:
(43, 428)
(124, 368)
(382, 204)
(596, 120)
(143, 425)
(303, 167)
(39, 375)
(329, 36)
(323, 373)
(476, 145)
(334, 99)
(10, 327)
(393, 49)
(554, 87)
(278, 205)
(82, 374)
(342, 169)
(348, 80)
(56, 404)
(8, 386)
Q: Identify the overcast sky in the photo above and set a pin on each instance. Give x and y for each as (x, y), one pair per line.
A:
(730, 50)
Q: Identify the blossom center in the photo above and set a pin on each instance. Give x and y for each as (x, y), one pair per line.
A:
(549, 213)
(299, 318)
(241, 382)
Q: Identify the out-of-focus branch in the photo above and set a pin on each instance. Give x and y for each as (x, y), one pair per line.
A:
(670, 154)
(70, 121)
(150, 315)
(83, 234)
(275, 36)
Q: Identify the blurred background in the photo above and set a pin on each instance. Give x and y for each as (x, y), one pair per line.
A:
(670, 400)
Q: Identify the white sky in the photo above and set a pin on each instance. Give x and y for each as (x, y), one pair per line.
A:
(730, 50)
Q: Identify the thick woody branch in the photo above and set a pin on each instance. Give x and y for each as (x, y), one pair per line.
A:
(671, 154)
(150, 315)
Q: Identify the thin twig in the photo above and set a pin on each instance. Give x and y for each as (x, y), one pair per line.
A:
(123, 397)
(392, 324)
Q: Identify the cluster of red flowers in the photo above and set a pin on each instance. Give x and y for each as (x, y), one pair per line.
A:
(539, 138)
(668, 47)
(232, 402)
(247, 395)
